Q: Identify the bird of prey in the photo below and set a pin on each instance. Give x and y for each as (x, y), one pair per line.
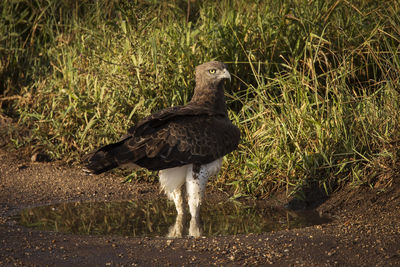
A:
(185, 144)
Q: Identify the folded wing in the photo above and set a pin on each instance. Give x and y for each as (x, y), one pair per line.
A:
(173, 137)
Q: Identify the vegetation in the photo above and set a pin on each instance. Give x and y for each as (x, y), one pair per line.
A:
(315, 87)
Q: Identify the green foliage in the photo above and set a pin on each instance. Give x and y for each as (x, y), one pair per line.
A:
(315, 89)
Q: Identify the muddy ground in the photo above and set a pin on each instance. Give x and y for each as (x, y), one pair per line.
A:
(365, 230)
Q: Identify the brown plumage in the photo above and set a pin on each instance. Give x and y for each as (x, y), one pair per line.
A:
(199, 132)
(186, 143)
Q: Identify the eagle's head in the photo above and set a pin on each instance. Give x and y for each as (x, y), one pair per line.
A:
(212, 73)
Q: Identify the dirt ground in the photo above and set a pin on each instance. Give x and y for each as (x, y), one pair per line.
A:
(365, 230)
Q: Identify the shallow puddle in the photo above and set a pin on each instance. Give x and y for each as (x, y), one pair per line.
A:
(156, 218)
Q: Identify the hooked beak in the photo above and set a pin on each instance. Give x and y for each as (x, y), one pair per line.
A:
(225, 75)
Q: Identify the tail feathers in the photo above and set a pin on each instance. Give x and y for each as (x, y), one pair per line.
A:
(103, 159)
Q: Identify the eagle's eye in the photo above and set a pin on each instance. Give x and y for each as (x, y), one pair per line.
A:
(212, 71)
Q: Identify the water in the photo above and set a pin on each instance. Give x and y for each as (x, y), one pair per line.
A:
(158, 218)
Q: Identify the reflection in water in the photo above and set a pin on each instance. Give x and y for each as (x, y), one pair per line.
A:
(158, 218)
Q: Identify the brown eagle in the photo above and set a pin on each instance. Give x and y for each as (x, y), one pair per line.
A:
(185, 143)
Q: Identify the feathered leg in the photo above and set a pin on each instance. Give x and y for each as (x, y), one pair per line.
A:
(171, 181)
(177, 197)
(196, 181)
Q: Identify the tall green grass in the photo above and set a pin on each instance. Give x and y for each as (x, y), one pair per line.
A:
(315, 89)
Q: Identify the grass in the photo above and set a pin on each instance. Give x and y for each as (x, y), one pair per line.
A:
(315, 89)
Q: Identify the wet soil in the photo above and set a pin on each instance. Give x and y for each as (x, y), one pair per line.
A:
(364, 231)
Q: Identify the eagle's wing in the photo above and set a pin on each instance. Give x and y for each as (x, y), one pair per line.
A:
(180, 135)
(172, 137)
